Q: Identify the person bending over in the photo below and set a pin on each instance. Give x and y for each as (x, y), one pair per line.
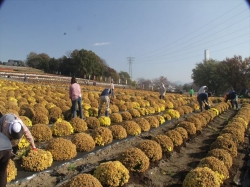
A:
(203, 100)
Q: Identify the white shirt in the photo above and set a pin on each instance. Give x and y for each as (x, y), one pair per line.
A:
(202, 89)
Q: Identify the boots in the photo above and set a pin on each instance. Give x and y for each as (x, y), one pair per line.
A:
(107, 113)
(99, 113)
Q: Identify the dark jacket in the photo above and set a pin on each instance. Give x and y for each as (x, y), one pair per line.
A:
(203, 97)
(4, 142)
(106, 92)
(231, 96)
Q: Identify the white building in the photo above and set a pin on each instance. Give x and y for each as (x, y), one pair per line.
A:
(206, 55)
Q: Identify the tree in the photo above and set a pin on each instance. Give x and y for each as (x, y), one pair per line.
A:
(220, 76)
(43, 62)
(206, 73)
(144, 82)
(124, 76)
(39, 61)
(54, 65)
(157, 81)
(33, 60)
(236, 72)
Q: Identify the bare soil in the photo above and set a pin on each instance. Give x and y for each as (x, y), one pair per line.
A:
(170, 171)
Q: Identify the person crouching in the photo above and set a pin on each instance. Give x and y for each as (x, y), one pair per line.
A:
(104, 98)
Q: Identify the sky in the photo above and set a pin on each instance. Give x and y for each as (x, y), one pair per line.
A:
(146, 38)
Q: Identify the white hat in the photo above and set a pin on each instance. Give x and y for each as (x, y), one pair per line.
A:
(16, 129)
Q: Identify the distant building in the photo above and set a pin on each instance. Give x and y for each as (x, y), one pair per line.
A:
(206, 54)
(15, 63)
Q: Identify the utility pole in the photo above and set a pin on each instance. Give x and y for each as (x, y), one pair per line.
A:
(130, 59)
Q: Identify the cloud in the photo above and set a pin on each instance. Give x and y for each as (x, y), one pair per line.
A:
(103, 43)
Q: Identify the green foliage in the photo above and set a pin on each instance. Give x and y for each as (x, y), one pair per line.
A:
(79, 63)
(220, 76)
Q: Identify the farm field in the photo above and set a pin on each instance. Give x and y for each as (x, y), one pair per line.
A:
(169, 171)
(180, 135)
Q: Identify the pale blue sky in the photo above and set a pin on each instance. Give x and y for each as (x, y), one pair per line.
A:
(164, 37)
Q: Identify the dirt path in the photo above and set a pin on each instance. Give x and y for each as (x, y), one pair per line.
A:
(171, 171)
(168, 172)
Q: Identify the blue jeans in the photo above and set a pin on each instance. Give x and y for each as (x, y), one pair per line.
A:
(73, 109)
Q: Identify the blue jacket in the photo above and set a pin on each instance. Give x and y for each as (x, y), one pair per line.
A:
(106, 92)
(203, 97)
(231, 96)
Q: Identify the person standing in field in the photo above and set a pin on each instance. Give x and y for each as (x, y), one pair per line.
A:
(112, 87)
(76, 97)
(104, 98)
(5, 154)
(162, 91)
(191, 92)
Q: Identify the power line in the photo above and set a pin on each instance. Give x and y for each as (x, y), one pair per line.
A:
(160, 53)
(130, 59)
(143, 55)
(200, 55)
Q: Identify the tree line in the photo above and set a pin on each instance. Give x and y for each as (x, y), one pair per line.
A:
(80, 63)
(219, 76)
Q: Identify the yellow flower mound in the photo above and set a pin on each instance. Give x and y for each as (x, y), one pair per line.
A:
(104, 121)
(50, 105)
(160, 119)
(134, 160)
(61, 149)
(169, 105)
(86, 106)
(11, 171)
(86, 113)
(78, 124)
(223, 156)
(93, 111)
(136, 105)
(142, 111)
(112, 174)
(217, 166)
(115, 117)
(118, 131)
(132, 128)
(175, 136)
(84, 180)
(173, 113)
(41, 132)
(23, 143)
(216, 111)
(201, 176)
(143, 123)
(134, 113)
(165, 142)
(153, 121)
(102, 136)
(37, 160)
(12, 99)
(152, 149)
(92, 122)
(83, 142)
(26, 121)
(62, 128)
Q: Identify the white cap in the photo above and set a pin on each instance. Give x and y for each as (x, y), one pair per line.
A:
(15, 126)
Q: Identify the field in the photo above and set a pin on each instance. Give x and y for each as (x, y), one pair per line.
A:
(167, 167)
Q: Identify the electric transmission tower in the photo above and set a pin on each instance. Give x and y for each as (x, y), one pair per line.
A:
(130, 60)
